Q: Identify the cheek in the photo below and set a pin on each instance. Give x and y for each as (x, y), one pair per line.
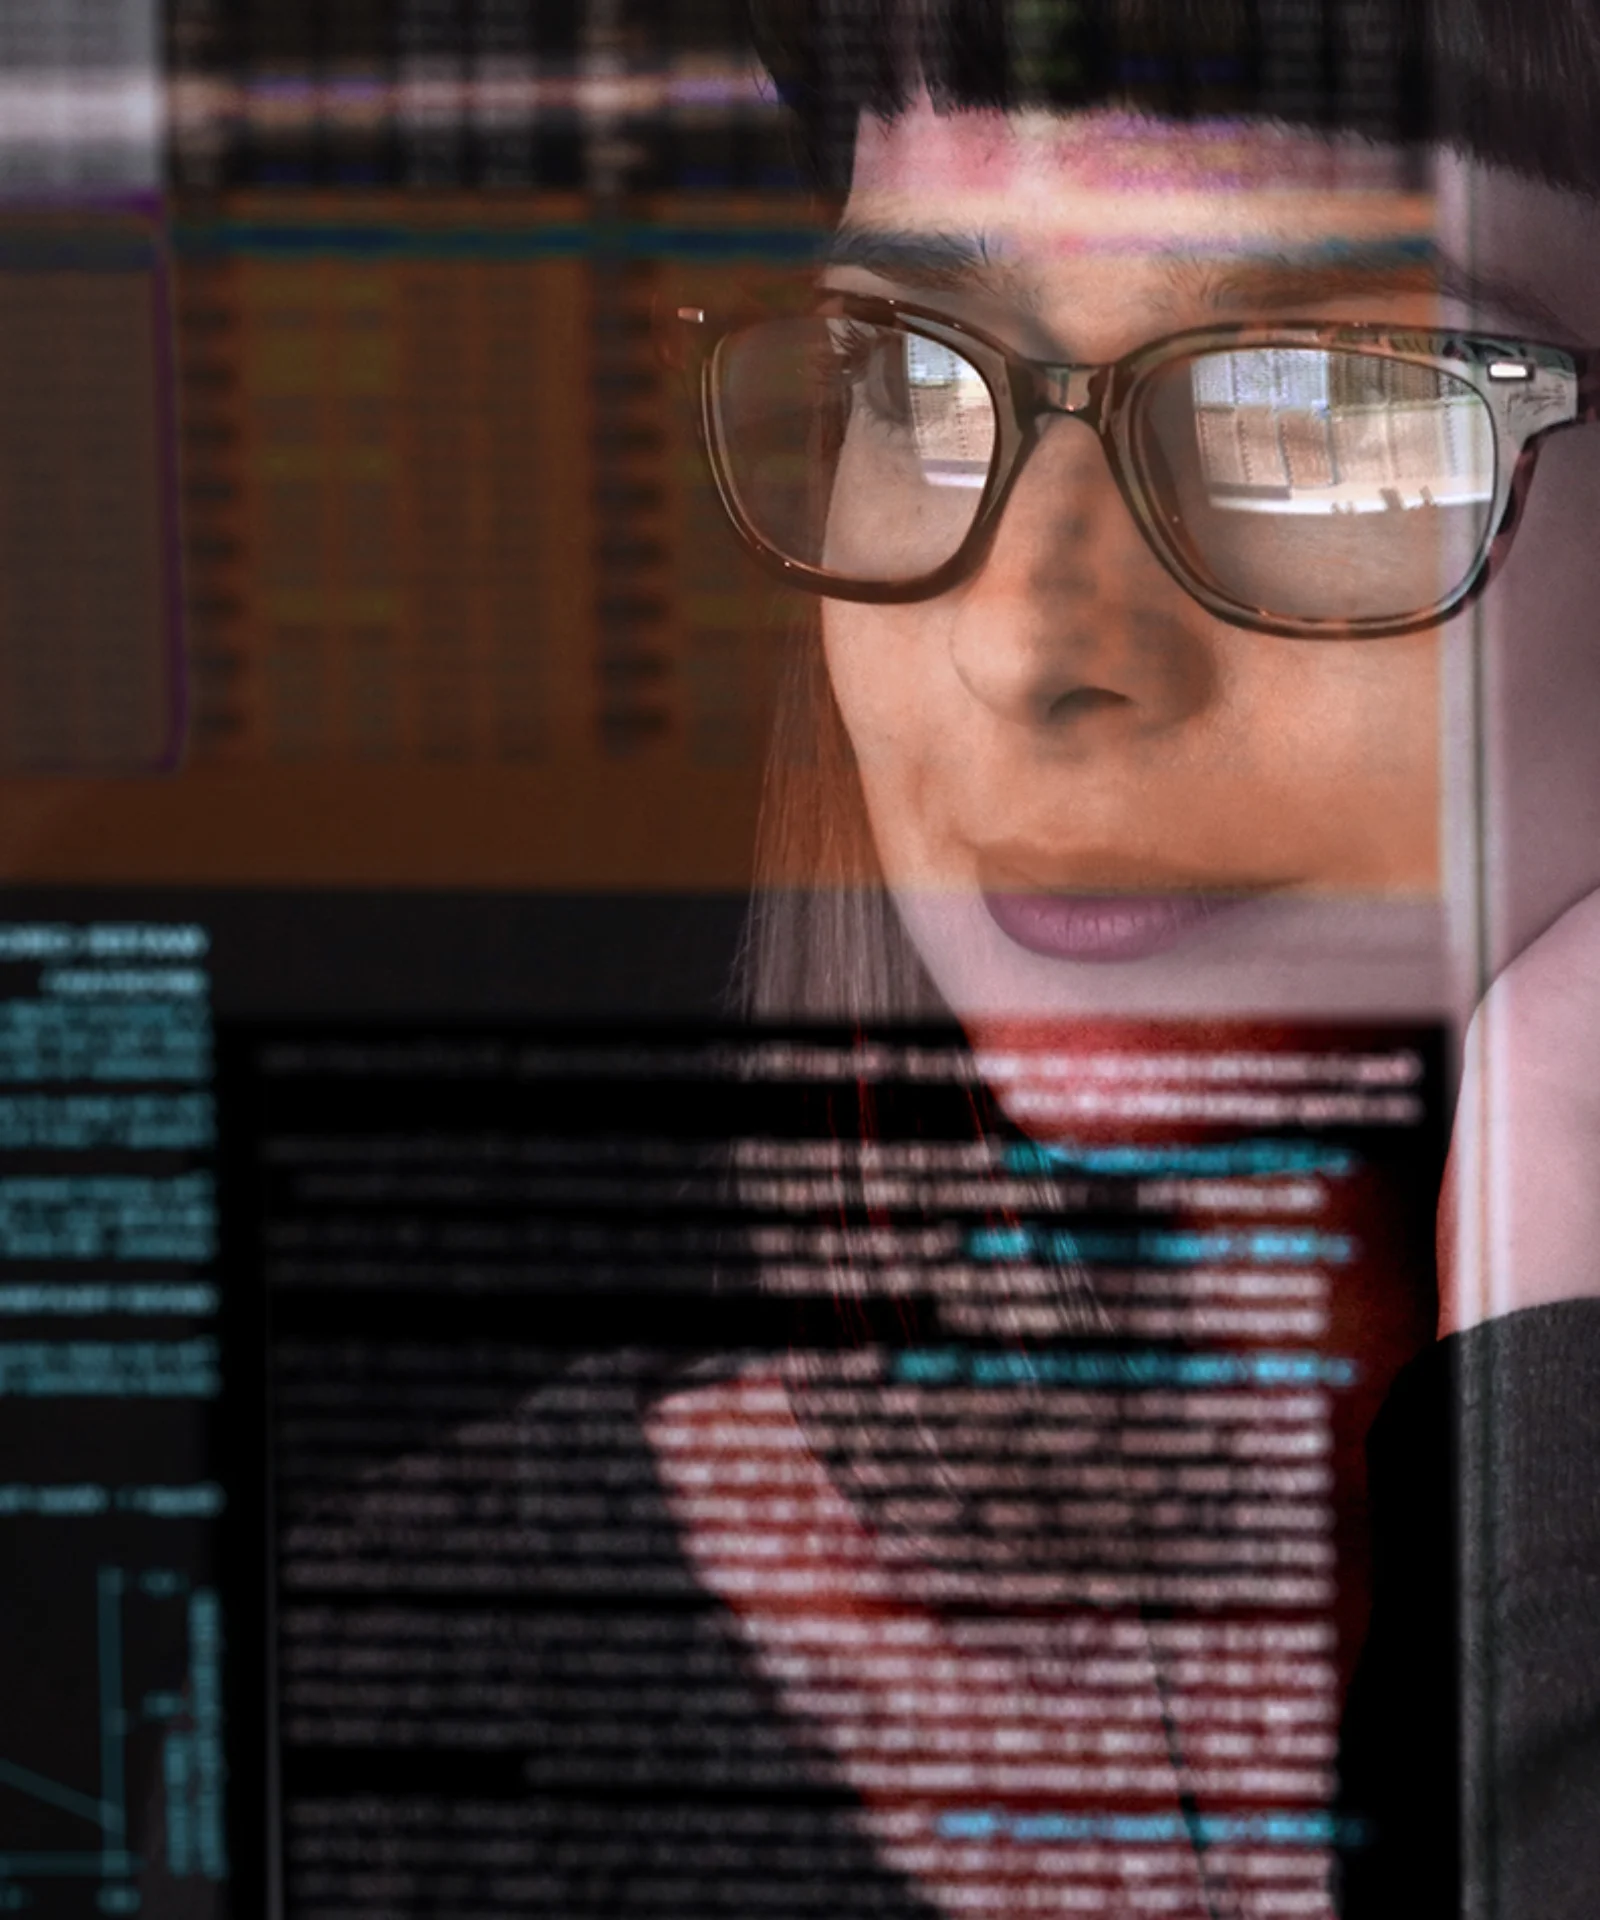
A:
(870, 668)
(1344, 737)
(848, 662)
(1367, 729)
(878, 665)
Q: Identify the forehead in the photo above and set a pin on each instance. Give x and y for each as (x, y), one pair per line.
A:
(1113, 182)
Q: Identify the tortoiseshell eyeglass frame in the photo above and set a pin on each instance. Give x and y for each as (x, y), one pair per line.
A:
(1530, 390)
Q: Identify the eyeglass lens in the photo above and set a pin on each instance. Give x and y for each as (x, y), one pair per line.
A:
(1319, 485)
(1308, 483)
(853, 447)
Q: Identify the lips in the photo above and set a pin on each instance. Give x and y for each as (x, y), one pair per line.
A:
(1088, 926)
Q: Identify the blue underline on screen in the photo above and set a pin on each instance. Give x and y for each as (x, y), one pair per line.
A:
(1234, 1156)
(1280, 1829)
(1135, 1367)
(1264, 1247)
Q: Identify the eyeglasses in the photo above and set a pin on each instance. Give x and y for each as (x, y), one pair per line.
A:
(1318, 481)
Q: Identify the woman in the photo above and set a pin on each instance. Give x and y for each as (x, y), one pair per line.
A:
(1156, 726)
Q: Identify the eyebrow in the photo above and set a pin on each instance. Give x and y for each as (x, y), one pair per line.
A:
(1275, 280)
(943, 261)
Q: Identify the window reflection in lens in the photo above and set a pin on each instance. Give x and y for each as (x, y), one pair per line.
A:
(1320, 485)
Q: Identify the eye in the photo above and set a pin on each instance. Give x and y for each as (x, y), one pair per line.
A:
(871, 363)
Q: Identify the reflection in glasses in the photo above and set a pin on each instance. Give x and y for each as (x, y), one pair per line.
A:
(1296, 430)
(952, 416)
(1280, 430)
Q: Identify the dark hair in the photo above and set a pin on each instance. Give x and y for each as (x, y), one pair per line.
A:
(1510, 81)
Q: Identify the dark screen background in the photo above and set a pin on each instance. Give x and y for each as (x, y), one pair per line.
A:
(385, 1190)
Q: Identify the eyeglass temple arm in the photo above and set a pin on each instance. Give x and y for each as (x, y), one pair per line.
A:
(1540, 391)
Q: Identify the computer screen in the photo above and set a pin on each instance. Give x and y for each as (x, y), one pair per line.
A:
(725, 1067)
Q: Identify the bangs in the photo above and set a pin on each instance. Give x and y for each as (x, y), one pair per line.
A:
(1508, 81)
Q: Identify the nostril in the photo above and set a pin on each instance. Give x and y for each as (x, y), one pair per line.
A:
(1080, 702)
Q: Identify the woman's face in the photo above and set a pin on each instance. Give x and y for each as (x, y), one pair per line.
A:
(1088, 793)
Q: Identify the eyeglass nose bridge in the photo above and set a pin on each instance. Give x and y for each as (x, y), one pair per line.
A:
(1065, 388)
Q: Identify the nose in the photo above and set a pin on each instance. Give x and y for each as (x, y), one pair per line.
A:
(1071, 627)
